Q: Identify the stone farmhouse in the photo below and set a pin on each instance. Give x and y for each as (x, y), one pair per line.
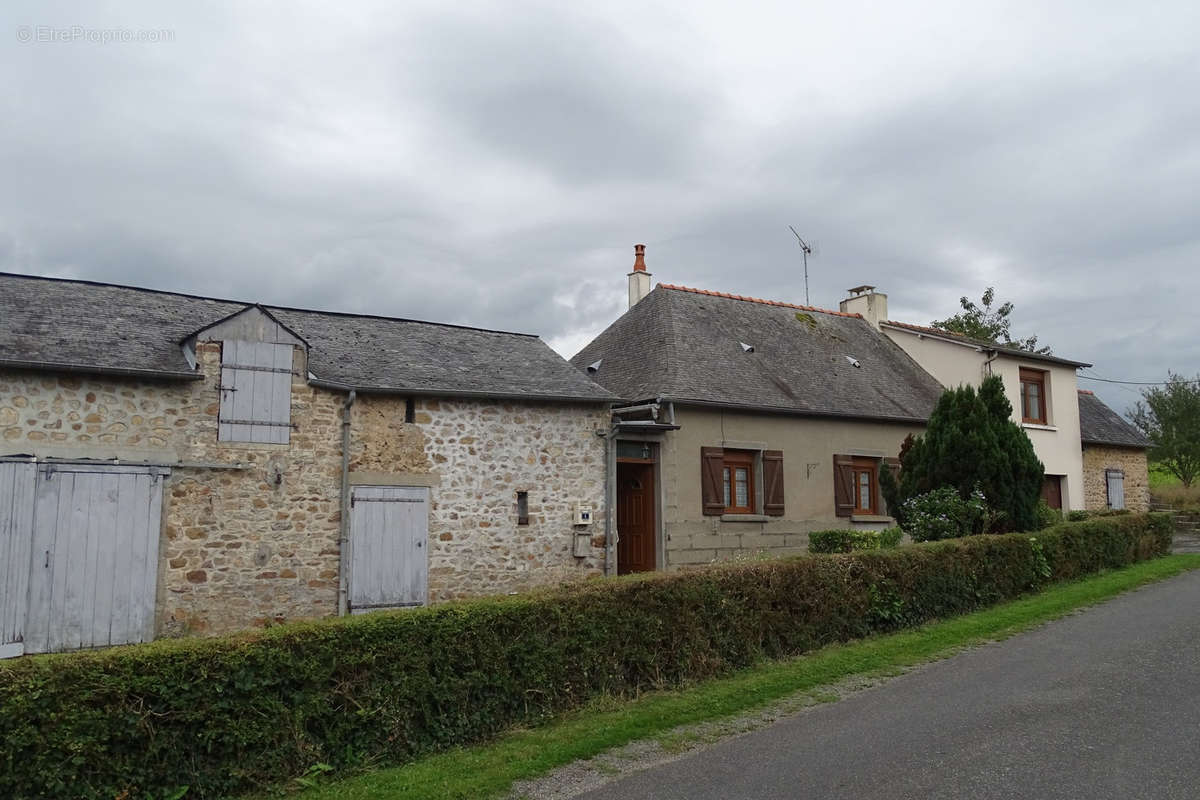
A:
(172, 464)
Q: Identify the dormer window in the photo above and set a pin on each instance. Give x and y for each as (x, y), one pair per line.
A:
(1033, 396)
(256, 392)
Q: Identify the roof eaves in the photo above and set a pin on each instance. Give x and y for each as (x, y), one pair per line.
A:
(980, 344)
(798, 412)
(325, 383)
(92, 369)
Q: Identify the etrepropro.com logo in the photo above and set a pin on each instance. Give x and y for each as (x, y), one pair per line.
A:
(72, 34)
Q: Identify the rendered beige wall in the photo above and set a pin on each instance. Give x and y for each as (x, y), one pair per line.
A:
(952, 365)
(808, 446)
(1056, 444)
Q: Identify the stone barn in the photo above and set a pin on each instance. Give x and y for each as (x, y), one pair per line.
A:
(173, 464)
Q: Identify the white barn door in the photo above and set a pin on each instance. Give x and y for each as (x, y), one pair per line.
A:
(16, 527)
(389, 559)
(94, 566)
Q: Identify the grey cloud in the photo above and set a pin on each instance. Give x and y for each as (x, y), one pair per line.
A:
(494, 165)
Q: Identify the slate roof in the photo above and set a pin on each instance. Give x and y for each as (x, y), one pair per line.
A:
(54, 324)
(686, 345)
(997, 347)
(1099, 424)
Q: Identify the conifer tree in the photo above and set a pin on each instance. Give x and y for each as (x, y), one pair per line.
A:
(972, 441)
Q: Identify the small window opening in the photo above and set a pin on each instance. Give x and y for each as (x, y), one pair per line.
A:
(522, 508)
(410, 410)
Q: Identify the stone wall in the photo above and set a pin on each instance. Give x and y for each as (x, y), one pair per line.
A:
(1096, 460)
(486, 453)
(259, 541)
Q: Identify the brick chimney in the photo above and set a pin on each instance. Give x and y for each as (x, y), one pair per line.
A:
(639, 279)
(868, 302)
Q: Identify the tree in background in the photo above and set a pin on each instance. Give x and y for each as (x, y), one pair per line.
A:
(1169, 415)
(984, 322)
(971, 442)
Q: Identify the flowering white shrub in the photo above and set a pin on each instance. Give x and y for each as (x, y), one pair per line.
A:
(944, 514)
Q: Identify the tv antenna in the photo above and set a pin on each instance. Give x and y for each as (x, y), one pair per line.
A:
(807, 250)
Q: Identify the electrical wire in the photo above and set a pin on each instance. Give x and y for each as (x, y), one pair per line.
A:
(1136, 383)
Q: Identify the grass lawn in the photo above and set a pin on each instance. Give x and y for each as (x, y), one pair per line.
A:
(489, 770)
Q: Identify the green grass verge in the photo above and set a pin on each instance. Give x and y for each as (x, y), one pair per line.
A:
(489, 770)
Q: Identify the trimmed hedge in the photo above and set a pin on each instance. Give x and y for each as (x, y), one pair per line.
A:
(846, 540)
(227, 715)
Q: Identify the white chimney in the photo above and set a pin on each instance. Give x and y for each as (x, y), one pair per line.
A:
(639, 279)
(868, 302)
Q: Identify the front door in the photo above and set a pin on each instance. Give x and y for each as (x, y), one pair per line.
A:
(635, 518)
(1052, 491)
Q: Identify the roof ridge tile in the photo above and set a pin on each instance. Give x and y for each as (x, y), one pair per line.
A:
(759, 300)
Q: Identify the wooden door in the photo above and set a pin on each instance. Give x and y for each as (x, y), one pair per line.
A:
(17, 480)
(1052, 491)
(94, 569)
(389, 562)
(636, 529)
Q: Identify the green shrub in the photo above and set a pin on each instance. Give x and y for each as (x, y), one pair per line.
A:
(944, 514)
(847, 540)
(890, 537)
(232, 714)
(1047, 516)
(1076, 516)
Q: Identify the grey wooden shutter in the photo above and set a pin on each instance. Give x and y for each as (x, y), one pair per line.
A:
(843, 485)
(712, 487)
(256, 392)
(1115, 479)
(95, 556)
(773, 483)
(16, 536)
(389, 562)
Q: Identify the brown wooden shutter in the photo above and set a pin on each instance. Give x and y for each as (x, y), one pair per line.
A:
(712, 485)
(843, 485)
(773, 483)
(893, 465)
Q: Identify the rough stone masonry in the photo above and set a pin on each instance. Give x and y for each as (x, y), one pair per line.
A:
(258, 541)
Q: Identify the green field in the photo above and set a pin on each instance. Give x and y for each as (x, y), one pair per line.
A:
(1167, 489)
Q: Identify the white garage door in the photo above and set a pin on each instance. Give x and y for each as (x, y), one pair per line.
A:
(389, 561)
(92, 555)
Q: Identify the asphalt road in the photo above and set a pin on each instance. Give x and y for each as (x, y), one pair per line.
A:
(1103, 704)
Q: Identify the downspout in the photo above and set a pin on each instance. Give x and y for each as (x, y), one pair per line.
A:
(610, 503)
(344, 537)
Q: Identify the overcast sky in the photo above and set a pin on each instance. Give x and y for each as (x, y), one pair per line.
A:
(494, 164)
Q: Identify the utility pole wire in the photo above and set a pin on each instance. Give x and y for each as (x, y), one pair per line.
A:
(1137, 383)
